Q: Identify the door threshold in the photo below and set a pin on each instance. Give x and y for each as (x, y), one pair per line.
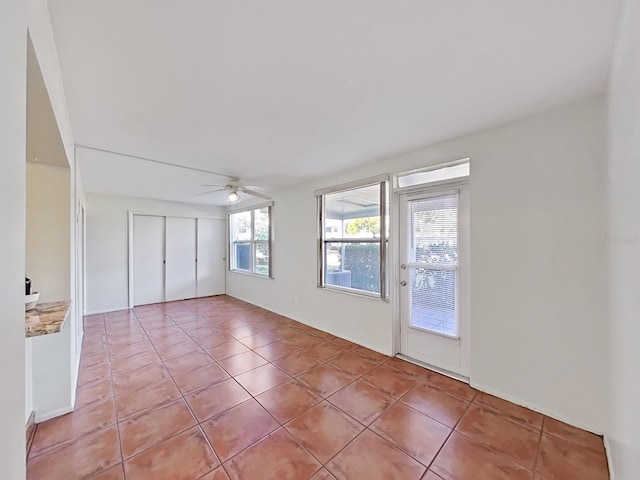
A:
(428, 366)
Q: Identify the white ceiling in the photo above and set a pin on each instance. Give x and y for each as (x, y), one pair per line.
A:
(282, 91)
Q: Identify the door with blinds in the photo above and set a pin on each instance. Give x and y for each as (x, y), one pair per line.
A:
(434, 278)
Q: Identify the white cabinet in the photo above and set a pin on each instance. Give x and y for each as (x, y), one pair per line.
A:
(175, 258)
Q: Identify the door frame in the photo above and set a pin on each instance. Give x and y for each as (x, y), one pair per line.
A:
(464, 263)
(81, 269)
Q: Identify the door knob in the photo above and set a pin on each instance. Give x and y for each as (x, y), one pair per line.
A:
(403, 283)
(403, 266)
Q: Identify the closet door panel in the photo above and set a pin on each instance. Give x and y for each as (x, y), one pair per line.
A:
(211, 252)
(148, 259)
(180, 258)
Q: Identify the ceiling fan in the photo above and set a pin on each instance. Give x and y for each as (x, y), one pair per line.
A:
(234, 187)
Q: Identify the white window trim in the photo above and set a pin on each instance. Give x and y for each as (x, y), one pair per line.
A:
(252, 242)
(383, 181)
(444, 183)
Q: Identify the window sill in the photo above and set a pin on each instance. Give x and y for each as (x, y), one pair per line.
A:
(354, 293)
(251, 274)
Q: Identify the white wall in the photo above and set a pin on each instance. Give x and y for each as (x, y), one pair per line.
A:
(107, 244)
(48, 262)
(537, 298)
(13, 63)
(623, 247)
(41, 33)
(64, 348)
(537, 266)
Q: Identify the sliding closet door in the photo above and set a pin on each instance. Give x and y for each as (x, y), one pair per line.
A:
(148, 259)
(181, 258)
(211, 252)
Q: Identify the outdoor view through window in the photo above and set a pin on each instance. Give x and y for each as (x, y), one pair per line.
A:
(351, 240)
(250, 235)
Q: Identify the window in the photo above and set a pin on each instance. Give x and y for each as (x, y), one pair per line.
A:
(250, 241)
(353, 228)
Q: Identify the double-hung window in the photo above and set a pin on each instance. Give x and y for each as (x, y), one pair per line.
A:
(352, 239)
(250, 241)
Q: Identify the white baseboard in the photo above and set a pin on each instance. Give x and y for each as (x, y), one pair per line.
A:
(536, 408)
(98, 312)
(357, 342)
(607, 449)
(48, 415)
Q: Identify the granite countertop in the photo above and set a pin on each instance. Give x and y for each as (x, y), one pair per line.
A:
(46, 318)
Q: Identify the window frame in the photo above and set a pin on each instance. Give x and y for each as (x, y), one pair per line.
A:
(383, 240)
(252, 242)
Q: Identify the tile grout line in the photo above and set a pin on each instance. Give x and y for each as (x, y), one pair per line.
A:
(366, 427)
(146, 332)
(487, 445)
(198, 424)
(387, 362)
(453, 429)
(137, 319)
(325, 361)
(110, 377)
(294, 378)
(399, 400)
(115, 407)
(535, 464)
(281, 426)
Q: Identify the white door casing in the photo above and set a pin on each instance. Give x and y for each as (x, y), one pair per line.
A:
(80, 274)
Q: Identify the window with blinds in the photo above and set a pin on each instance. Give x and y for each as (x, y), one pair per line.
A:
(433, 248)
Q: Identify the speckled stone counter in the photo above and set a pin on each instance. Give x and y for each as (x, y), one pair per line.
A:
(46, 318)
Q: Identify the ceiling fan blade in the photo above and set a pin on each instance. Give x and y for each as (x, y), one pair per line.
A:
(255, 194)
(210, 191)
(214, 185)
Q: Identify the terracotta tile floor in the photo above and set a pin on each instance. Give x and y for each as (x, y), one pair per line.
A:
(218, 389)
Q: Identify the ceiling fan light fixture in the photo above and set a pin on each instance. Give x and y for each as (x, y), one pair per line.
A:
(233, 197)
